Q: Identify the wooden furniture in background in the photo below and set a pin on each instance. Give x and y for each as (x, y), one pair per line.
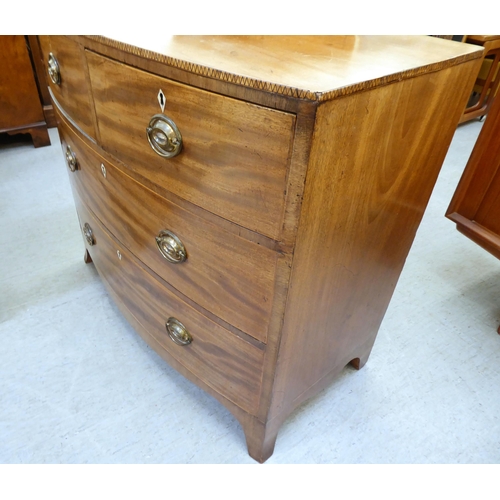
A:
(475, 206)
(20, 104)
(249, 202)
(488, 80)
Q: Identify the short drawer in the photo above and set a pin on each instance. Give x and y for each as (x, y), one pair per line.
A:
(68, 80)
(227, 363)
(229, 276)
(234, 155)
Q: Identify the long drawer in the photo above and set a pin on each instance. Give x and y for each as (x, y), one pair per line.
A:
(228, 275)
(234, 157)
(230, 365)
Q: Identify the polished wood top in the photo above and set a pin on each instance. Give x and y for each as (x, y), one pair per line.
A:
(308, 67)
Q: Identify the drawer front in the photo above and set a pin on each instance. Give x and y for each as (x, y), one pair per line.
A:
(234, 155)
(225, 362)
(73, 91)
(229, 276)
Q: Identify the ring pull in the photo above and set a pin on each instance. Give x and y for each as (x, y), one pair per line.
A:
(171, 247)
(53, 69)
(178, 332)
(89, 234)
(71, 159)
(164, 136)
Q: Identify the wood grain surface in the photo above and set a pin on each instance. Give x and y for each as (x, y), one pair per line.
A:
(306, 67)
(42, 80)
(19, 101)
(234, 165)
(481, 39)
(21, 109)
(225, 362)
(73, 94)
(229, 276)
(488, 214)
(311, 199)
(475, 206)
(374, 161)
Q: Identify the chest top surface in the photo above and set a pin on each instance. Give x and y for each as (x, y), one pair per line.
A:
(310, 67)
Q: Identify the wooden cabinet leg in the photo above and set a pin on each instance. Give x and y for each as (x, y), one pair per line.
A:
(261, 439)
(40, 136)
(360, 361)
(87, 258)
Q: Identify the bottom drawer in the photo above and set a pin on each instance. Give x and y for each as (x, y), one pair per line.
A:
(223, 361)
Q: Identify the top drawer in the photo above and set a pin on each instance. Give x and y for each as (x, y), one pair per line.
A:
(234, 154)
(72, 90)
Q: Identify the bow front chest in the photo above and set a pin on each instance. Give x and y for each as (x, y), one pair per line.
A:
(249, 202)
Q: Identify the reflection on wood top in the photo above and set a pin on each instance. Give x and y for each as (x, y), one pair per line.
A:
(307, 67)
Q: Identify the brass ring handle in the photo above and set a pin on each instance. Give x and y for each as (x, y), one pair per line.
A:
(71, 159)
(178, 332)
(171, 247)
(88, 233)
(53, 69)
(164, 136)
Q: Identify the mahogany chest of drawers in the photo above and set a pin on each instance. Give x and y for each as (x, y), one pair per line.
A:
(249, 202)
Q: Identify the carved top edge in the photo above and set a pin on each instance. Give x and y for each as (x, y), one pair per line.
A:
(451, 57)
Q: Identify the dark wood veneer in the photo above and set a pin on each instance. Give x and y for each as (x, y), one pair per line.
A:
(475, 206)
(21, 109)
